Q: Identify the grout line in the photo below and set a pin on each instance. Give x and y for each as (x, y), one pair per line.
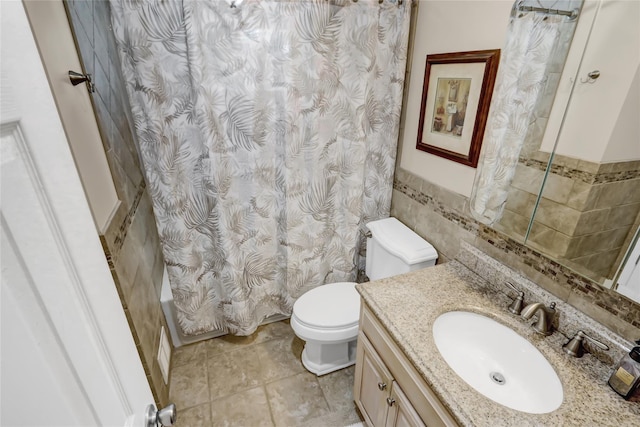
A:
(262, 362)
(273, 420)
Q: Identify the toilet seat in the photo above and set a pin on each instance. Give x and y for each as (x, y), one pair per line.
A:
(328, 313)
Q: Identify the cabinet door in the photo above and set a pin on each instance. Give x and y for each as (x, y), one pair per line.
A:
(401, 412)
(372, 384)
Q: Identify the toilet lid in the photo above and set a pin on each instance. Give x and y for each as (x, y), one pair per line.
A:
(332, 306)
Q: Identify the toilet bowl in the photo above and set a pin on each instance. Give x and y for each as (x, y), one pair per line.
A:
(326, 317)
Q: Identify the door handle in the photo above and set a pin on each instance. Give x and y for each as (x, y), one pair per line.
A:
(162, 417)
(77, 78)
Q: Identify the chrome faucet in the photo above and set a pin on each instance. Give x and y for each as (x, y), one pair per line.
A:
(543, 325)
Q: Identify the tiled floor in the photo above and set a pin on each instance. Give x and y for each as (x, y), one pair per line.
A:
(257, 381)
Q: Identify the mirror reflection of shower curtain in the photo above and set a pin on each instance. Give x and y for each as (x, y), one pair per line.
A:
(521, 79)
(268, 136)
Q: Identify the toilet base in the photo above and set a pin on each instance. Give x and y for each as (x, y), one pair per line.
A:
(323, 358)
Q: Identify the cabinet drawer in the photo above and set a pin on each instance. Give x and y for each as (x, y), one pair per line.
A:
(425, 402)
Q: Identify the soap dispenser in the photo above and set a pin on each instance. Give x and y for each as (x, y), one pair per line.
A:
(626, 376)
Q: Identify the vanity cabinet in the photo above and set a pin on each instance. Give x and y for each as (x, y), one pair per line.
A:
(388, 390)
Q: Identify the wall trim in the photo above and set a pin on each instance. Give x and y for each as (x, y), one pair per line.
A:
(611, 301)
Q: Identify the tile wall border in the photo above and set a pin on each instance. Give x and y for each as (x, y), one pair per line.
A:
(612, 302)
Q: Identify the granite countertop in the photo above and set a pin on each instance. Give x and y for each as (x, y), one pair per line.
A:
(407, 306)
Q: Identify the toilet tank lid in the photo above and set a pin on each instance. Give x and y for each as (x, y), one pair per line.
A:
(401, 241)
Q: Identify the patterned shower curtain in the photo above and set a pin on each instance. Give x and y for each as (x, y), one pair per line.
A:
(521, 78)
(268, 136)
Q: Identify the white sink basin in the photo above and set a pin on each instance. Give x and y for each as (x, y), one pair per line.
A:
(497, 362)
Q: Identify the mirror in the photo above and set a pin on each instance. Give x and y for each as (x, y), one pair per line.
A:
(576, 193)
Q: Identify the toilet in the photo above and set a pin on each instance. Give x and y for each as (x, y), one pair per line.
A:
(326, 317)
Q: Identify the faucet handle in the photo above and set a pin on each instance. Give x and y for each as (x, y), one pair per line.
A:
(574, 346)
(518, 303)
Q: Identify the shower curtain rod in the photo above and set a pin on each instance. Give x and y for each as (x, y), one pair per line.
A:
(236, 3)
(572, 14)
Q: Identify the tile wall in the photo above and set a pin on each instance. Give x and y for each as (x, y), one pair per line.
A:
(131, 241)
(441, 217)
(586, 214)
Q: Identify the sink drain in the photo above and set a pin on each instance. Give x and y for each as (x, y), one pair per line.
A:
(497, 378)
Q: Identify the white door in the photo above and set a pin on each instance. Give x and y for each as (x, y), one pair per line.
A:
(68, 357)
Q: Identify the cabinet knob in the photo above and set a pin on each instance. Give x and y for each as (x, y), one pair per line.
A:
(382, 386)
(390, 401)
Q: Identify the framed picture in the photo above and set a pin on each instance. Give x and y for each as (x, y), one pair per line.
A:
(456, 96)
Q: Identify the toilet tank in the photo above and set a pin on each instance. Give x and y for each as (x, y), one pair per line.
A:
(395, 249)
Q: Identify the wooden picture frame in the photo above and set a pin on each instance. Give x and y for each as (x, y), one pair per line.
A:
(456, 96)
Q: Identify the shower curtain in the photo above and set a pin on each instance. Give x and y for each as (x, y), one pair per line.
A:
(268, 134)
(521, 78)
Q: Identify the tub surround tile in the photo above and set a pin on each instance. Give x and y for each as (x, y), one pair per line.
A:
(594, 220)
(557, 188)
(583, 196)
(131, 243)
(146, 315)
(587, 398)
(528, 179)
(520, 202)
(513, 224)
(624, 214)
(557, 216)
(551, 241)
(619, 193)
(576, 216)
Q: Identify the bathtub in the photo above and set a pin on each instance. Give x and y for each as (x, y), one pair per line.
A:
(177, 336)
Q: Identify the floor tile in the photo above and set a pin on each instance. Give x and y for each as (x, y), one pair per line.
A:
(233, 371)
(338, 389)
(189, 353)
(198, 416)
(263, 334)
(296, 400)
(249, 408)
(333, 419)
(257, 381)
(189, 385)
(280, 358)
(275, 330)
(228, 343)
